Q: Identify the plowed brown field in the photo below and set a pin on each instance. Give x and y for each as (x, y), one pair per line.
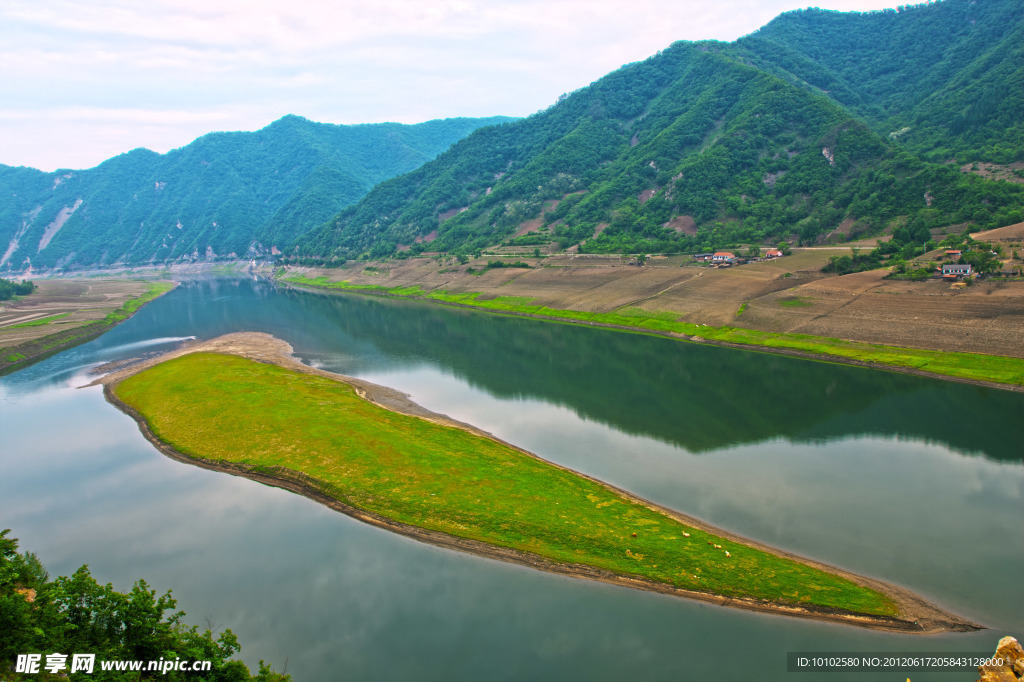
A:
(58, 305)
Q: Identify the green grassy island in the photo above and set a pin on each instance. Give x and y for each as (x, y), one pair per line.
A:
(270, 417)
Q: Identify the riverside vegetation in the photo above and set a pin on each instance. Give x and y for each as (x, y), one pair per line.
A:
(446, 479)
(969, 366)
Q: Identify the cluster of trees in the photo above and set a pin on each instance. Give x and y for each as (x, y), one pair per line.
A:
(77, 615)
(9, 289)
(909, 242)
(855, 262)
(492, 264)
(983, 257)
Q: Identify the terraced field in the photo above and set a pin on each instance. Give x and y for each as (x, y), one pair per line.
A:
(62, 313)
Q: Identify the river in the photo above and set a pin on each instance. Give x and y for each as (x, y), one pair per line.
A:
(914, 481)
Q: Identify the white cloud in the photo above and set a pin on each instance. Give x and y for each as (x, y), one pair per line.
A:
(239, 65)
(161, 117)
(83, 136)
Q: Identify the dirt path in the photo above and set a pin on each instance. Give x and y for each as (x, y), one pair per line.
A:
(916, 614)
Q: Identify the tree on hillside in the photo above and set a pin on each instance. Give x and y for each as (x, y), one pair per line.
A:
(982, 260)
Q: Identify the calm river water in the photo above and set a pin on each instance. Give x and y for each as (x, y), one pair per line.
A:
(915, 481)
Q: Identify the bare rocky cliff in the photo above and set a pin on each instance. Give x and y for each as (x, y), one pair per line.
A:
(1012, 668)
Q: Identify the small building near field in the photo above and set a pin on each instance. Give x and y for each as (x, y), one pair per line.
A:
(955, 270)
(723, 257)
(773, 253)
(954, 254)
(702, 257)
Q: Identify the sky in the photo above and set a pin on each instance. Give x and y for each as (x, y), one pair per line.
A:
(83, 81)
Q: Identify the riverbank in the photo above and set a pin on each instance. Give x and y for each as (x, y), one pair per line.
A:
(62, 314)
(707, 557)
(974, 368)
(788, 295)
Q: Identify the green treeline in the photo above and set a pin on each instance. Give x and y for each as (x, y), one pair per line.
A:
(949, 73)
(76, 614)
(9, 289)
(907, 244)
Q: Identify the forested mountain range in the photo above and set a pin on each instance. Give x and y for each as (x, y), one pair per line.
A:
(224, 195)
(821, 124)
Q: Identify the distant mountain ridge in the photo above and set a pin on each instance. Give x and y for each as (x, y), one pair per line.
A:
(225, 194)
(821, 125)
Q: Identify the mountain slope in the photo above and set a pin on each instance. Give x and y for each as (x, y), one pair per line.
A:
(950, 72)
(775, 136)
(223, 194)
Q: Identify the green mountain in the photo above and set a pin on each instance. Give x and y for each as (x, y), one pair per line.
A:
(952, 73)
(820, 125)
(225, 194)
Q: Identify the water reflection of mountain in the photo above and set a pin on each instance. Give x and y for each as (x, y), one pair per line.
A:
(696, 396)
(699, 397)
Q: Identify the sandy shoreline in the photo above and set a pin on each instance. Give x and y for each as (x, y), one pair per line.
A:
(916, 614)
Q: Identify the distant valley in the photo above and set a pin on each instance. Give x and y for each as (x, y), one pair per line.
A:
(225, 195)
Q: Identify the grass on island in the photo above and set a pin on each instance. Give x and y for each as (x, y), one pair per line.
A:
(973, 366)
(441, 478)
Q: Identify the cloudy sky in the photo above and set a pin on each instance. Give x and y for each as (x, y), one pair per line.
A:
(83, 81)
